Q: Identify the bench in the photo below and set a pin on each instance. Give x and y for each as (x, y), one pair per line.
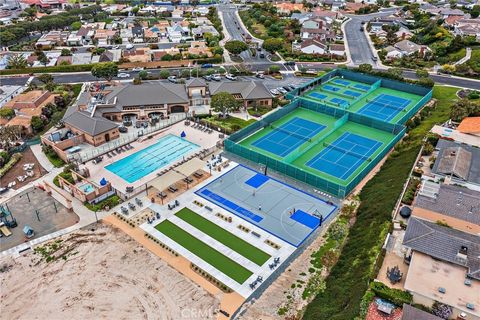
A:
(208, 208)
(256, 234)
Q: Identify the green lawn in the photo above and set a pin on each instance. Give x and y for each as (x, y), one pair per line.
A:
(230, 123)
(226, 265)
(226, 238)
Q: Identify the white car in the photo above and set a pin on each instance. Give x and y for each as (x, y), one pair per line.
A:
(138, 69)
(281, 90)
(274, 92)
(172, 79)
(216, 77)
(123, 75)
(230, 76)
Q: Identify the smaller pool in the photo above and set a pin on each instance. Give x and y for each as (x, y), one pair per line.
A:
(87, 187)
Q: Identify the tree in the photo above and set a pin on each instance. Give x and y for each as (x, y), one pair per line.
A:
(45, 78)
(164, 74)
(236, 46)
(224, 102)
(475, 12)
(66, 52)
(273, 69)
(17, 61)
(36, 123)
(143, 75)
(464, 108)
(106, 70)
(76, 25)
(421, 73)
(7, 113)
(9, 134)
(273, 44)
(396, 73)
(365, 67)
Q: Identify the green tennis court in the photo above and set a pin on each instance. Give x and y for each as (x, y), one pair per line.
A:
(228, 239)
(221, 262)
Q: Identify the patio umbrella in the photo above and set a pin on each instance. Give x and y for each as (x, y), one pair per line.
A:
(103, 182)
(183, 134)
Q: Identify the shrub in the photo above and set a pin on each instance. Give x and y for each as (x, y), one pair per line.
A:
(396, 296)
(110, 202)
(9, 165)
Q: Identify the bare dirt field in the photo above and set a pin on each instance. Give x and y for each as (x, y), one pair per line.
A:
(99, 274)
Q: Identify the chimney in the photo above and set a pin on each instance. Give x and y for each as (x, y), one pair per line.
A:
(461, 256)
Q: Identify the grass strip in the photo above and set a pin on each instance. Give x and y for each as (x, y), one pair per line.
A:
(211, 256)
(226, 238)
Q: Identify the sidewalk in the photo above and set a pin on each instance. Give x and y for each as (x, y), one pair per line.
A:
(467, 57)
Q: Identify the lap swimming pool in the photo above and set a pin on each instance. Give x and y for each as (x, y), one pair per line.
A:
(144, 162)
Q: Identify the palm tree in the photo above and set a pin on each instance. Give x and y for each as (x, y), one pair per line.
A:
(17, 61)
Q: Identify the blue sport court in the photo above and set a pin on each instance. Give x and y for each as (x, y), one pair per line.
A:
(339, 101)
(362, 87)
(317, 95)
(341, 158)
(351, 93)
(269, 205)
(341, 82)
(384, 107)
(289, 136)
(331, 88)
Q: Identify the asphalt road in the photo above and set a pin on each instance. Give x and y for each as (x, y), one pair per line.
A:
(360, 50)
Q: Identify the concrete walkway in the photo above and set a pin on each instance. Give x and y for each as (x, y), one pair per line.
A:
(41, 157)
(468, 55)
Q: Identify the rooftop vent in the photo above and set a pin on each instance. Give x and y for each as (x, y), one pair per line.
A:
(461, 256)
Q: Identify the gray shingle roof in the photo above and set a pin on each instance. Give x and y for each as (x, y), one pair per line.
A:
(247, 89)
(453, 201)
(195, 82)
(412, 313)
(151, 94)
(456, 161)
(443, 243)
(456, 169)
(90, 125)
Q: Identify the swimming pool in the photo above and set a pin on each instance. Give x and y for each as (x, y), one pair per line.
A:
(141, 163)
(87, 187)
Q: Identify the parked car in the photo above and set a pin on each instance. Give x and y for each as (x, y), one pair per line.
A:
(216, 77)
(287, 88)
(281, 90)
(172, 79)
(207, 77)
(259, 76)
(124, 75)
(207, 65)
(138, 69)
(129, 46)
(127, 123)
(230, 76)
(289, 63)
(123, 129)
(292, 86)
(262, 55)
(274, 92)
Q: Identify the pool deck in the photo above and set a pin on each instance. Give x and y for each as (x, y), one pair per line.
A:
(98, 171)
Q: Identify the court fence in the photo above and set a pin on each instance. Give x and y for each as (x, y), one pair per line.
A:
(284, 167)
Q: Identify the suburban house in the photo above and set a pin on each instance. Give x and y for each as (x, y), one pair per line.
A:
(176, 33)
(286, 8)
(137, 34)
(470, 125)
(52, 39)
(138, 55)
(455, 206)
(250, 92)
(314, 45)
(405, 48)
(199, 31)
(411, 313)
(337, 49)
(468, 27)
(45, 4)
(444, 266)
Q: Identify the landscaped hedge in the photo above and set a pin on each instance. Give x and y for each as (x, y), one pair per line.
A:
(9, 165)
(396, 296)
(64, 68)
(110, 202)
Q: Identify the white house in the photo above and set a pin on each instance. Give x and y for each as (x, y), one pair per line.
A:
(313, 46)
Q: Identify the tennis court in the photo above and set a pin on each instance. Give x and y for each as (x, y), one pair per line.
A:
(341, 82)
(317, 95)
(273, 202)
(384, 107)
(362, 87)
(342, 157)
(285, 138)
(353, 94)
(339, 101)
(331, 88)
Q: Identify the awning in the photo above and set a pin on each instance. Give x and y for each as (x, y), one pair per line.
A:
(191, 166)
(164, 181)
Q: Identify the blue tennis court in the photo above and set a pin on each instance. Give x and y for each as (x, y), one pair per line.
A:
(306, 219)
(339, 101)
(317, 95)
(341, 82)
(286, 138)
(330, 88)
(341, 158)
(352, 93)
(230, 205)
(384, 107)
(362, 87)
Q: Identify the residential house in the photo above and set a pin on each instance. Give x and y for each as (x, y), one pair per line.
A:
(86, 34)
(177, 13)
(176, 33)
(201, 10)
(301, 17)
(321, 34)
(104, 37)
(468, 27)
(405, 48)
(285, 8)
(471, 126)
(313, 46)
(457, 207)
(137, 34)
(337, 49)
(199, 48)
(444, 13)
(444, 266)
(8, 92)
(64, 60)
(138, 55)
(74, 40)
(113, 55)
(45, 4)
(126, 35)
(322, 13)
(352, 7)
(52, 39)
(82, 58)
(411, 313)
(199, 31)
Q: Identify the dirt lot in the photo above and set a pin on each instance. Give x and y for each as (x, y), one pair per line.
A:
(104, 275)
(17, 170)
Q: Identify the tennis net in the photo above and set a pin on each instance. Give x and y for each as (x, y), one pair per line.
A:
(386, 105)
(293, 134)
(358, 88)
(357, 155)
